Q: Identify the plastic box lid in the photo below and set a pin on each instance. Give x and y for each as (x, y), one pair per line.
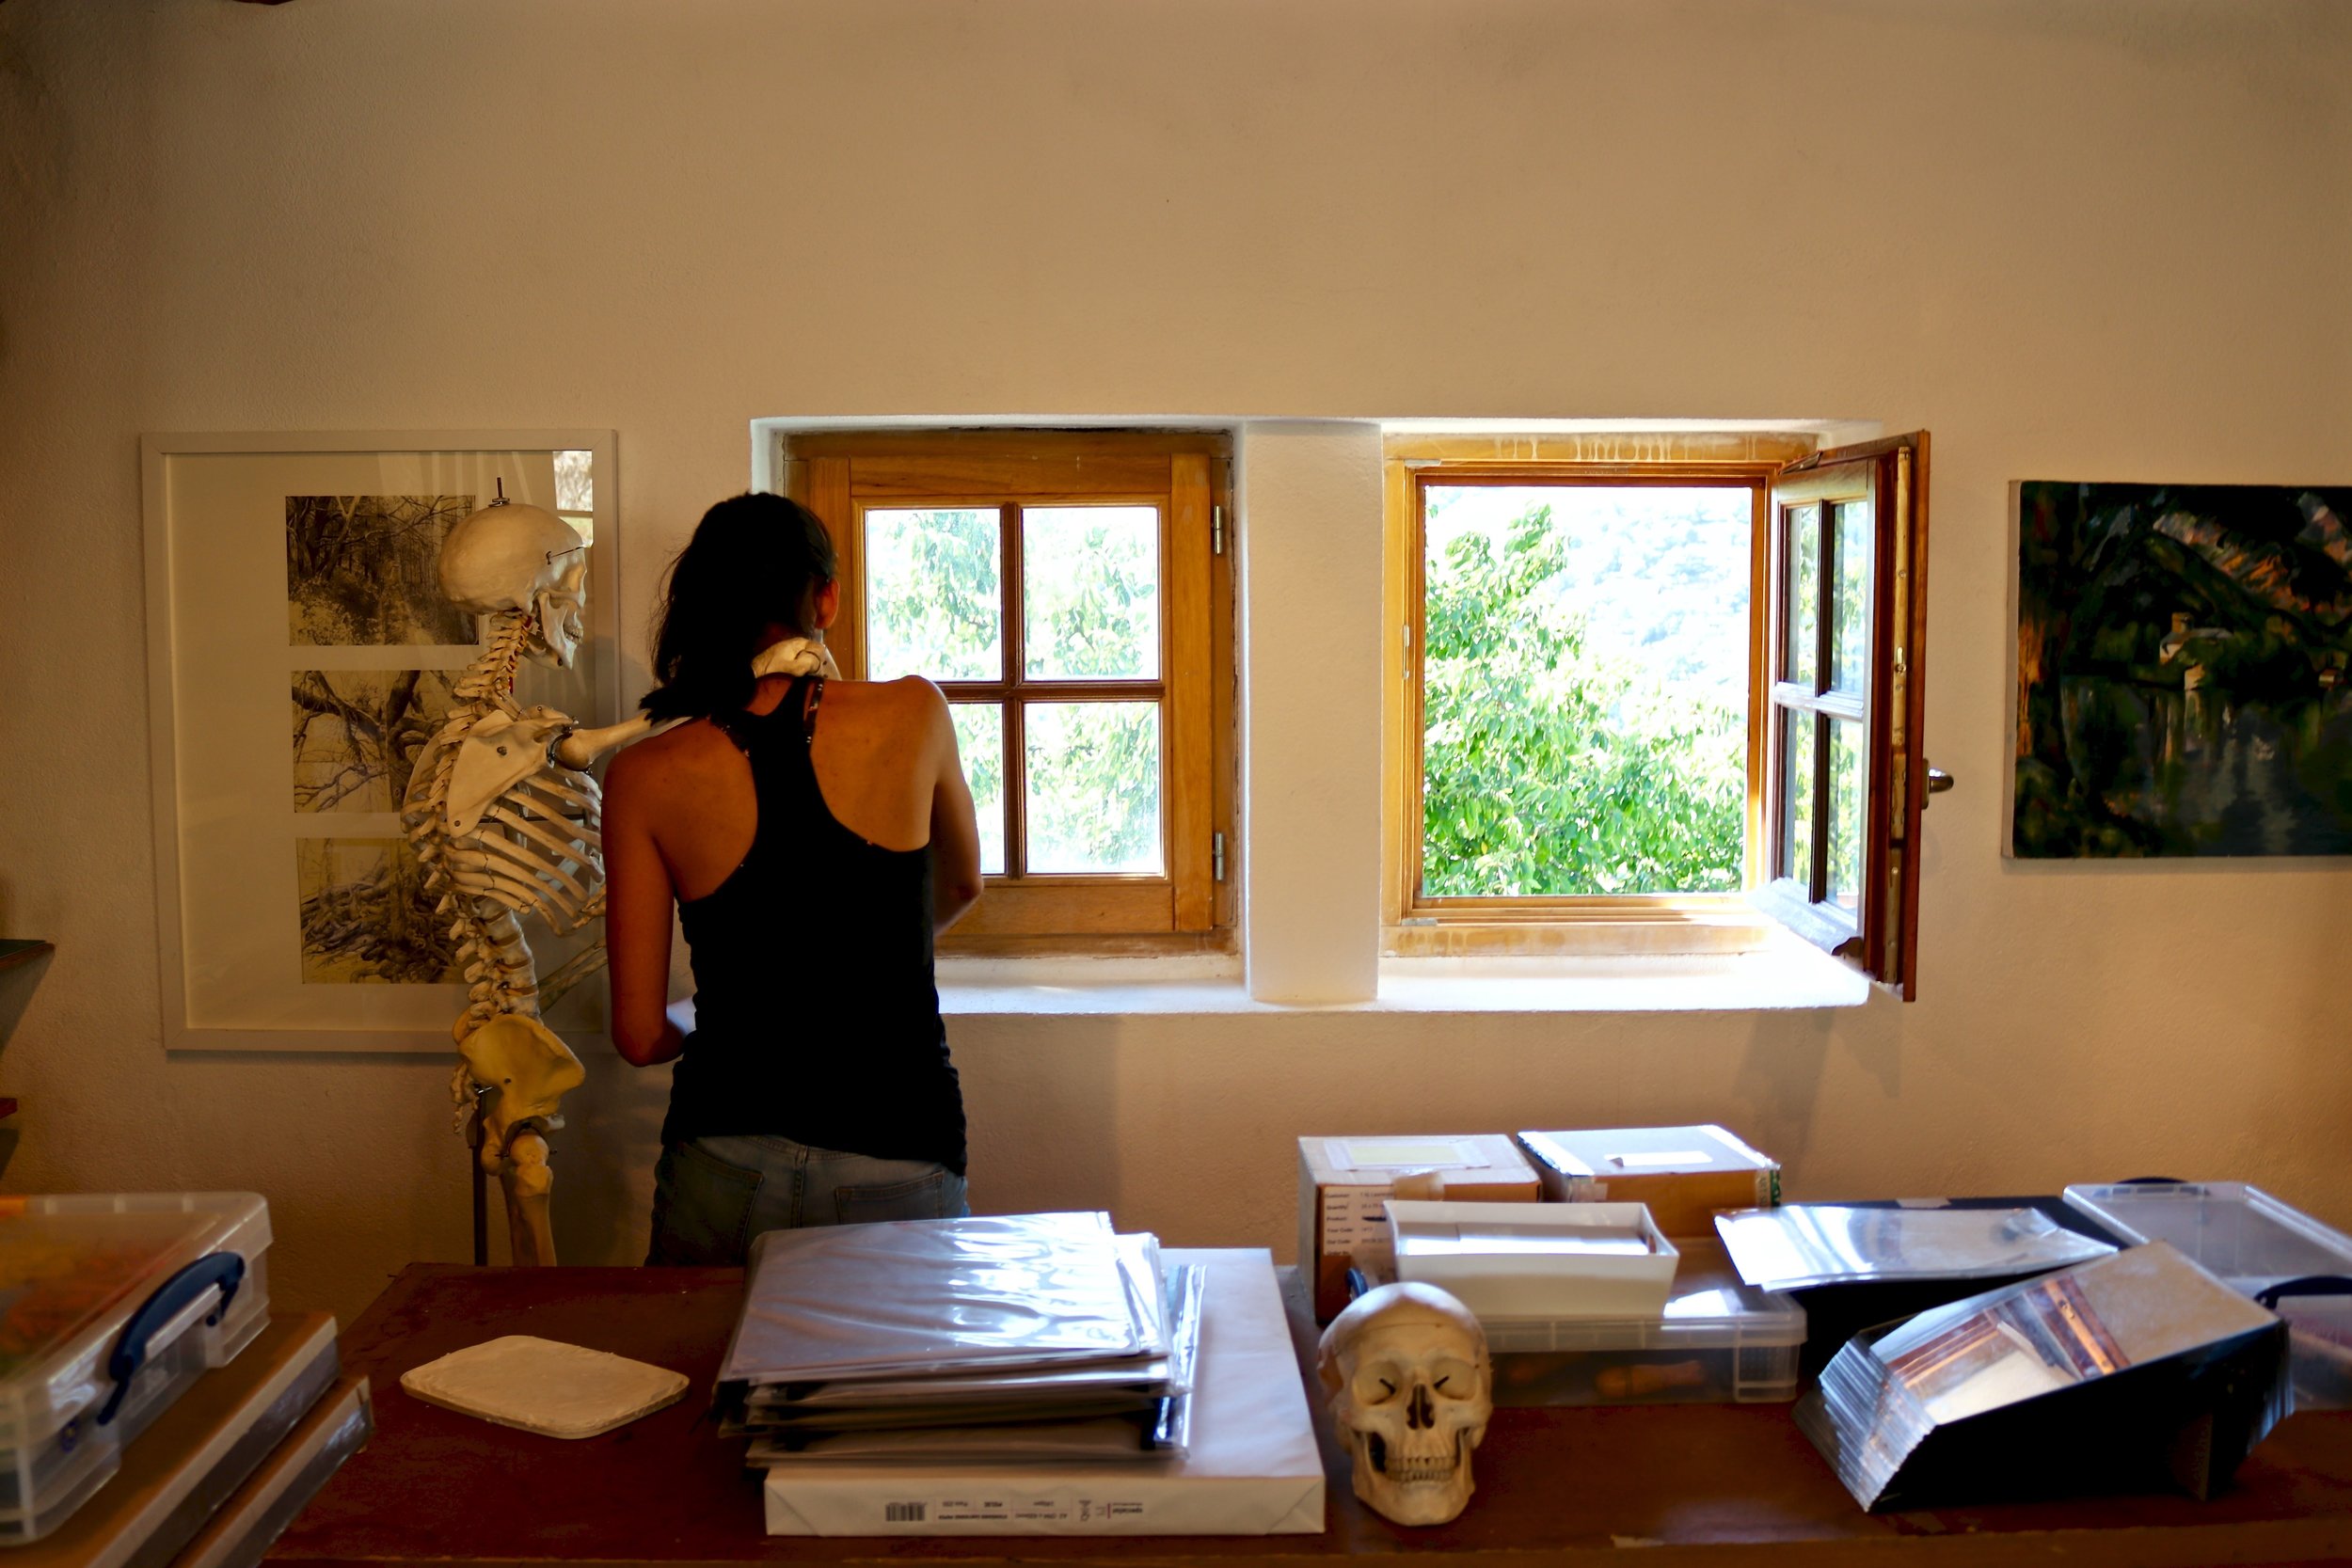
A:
(77, 1269)
(2239, 1232)
(1708, 1309)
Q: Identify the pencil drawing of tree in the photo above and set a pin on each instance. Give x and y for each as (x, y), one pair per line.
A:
(365, 918)
(364, 569)
(357, 734)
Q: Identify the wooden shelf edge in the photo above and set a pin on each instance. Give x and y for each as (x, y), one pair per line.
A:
(18, 950)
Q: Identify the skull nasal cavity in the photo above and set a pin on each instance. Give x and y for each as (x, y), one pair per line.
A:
(1421, 1413)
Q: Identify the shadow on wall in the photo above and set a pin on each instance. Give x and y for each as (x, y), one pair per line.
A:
(604, 1161)
(1780, 1072)
(1063, 1082)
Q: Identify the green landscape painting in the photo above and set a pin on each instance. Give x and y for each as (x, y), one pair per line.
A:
(2182, 670)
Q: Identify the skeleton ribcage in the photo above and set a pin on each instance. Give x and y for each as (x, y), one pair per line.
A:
(537, 847)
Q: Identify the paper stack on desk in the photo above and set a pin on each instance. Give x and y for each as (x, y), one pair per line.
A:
(1021, 1337)
(1028, 1375)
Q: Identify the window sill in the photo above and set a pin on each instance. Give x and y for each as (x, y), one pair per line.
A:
(1783, 974)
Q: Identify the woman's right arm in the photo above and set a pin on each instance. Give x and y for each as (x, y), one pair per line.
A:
(955, 826)
(638, 898)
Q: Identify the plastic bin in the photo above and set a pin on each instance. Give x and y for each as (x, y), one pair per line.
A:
(110, 1306)
(1718, 1342)
(2257, 1245)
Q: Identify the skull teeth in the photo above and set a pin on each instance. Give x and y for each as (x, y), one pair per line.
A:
(1408, 1469)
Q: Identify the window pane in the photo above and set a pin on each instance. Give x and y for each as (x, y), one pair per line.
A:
(1090, 584)
(1805, 594)
(981, 744)
(1585, 675)
(1849, 778)
(933, 603)
(575, 481)
(1094, 787)
(1796, 799)
(1852, 609)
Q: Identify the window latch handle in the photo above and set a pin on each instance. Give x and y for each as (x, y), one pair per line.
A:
(1938, 782)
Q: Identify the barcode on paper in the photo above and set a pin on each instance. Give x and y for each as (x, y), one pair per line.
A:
(902, 1513)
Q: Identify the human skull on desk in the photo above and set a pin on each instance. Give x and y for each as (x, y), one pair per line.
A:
(1411, 1388)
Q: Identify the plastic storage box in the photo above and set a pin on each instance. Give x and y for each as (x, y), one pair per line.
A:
(1718, 1342)
(111, 1306)
(1537, 1260)
(2261, 1247)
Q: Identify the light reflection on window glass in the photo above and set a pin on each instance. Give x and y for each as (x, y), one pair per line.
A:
(931, 594)
(1091, 600)
(1796, 821)
(1853, 607)
(1849, 769)
(1093, 786)
(981, 746)
(1805, 594)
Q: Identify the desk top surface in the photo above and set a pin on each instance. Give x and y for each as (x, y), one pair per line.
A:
(1686, 1482)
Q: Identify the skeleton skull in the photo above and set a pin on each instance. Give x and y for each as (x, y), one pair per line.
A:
(1410, 1384)
(512, 556)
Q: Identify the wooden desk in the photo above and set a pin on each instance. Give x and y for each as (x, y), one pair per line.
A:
(1689, 1483)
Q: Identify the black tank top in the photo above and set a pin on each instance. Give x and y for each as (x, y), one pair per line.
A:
(817, 1016)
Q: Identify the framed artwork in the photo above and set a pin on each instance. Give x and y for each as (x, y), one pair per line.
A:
(2183, 670)
(300, 652)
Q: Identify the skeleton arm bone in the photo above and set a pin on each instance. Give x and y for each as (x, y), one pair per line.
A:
(576, 749)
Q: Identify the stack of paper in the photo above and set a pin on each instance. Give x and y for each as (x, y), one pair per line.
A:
(1014, 1338)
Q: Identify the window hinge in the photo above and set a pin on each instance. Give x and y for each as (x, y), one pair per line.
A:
(1216, 854)
(1216, 531)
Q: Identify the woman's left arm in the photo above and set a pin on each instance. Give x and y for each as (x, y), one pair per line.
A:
(638, 899)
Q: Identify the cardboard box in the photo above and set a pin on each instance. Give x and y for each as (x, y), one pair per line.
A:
(1254, 1466)
(1685, 1174)
(1343, 1190)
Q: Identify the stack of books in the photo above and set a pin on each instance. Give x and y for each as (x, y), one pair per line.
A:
(1025, 1338)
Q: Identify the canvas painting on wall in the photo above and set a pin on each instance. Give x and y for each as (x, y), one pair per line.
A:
(361, 569)
(2182, 681)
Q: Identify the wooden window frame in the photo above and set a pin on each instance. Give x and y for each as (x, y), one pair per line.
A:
(1415, 923)
(1187, 476)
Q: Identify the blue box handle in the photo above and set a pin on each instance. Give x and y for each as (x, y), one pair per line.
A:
(2309, 1285)
(222, 1270)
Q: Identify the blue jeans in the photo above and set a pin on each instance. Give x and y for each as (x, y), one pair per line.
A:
(712, 1195)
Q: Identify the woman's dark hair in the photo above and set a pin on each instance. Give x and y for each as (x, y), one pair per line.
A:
(755, 561)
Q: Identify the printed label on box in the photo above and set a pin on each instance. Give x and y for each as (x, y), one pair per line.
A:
(1400, 1154)
(1356, 1225)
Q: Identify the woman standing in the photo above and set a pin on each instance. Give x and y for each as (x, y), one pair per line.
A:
(815, 835)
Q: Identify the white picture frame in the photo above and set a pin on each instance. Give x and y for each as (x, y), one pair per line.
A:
(254, 818)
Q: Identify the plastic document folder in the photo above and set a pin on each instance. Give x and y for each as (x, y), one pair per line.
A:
(1806, 1245)
(906, 1296)
(1253, 1466)
(2134, 1369)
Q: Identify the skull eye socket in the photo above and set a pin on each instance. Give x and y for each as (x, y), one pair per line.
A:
(1379, 1383)
(1454, 1380)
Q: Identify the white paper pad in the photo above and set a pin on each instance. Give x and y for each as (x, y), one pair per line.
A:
(1253, 1468)
(544, 1386)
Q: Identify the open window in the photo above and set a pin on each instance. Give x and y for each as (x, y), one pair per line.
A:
(1652, 693)
(1845, 778)
(1067, 591)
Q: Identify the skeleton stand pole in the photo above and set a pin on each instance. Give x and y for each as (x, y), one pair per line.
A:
(480, 1188)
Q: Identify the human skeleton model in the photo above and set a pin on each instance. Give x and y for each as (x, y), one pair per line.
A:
(506, 823)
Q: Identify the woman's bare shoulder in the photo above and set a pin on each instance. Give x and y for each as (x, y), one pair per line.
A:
(681, 747)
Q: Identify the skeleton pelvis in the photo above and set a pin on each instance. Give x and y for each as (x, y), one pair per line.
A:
(529, 1068)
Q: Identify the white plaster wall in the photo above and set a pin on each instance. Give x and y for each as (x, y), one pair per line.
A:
(2070, 237)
